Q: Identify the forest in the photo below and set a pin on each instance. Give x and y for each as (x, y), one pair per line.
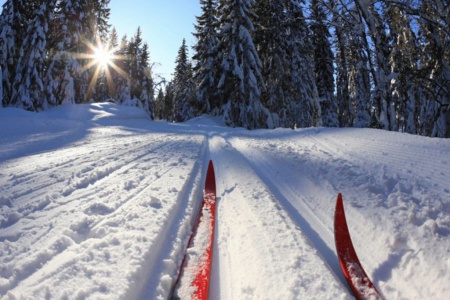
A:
(258, 64)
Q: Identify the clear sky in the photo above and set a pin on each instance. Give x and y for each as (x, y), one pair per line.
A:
(164, 24)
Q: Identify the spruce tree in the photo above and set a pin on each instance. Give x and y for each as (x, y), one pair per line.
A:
(271, 41)
(240, 82)
(28, 83)
(435, 68)
(323, 64)
(205, 68)
(68, 75)
(1, 87)
(182, 86)
(122, 82)
(135, 72)
(146, 98)
(303, 95)
(404, 62)
(159, 105)
(13, 24)
(168, 106)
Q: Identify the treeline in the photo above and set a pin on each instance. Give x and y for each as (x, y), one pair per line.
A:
(259, 64)
(48, 56)
(268, 63)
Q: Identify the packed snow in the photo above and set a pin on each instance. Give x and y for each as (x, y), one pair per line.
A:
(98, 202)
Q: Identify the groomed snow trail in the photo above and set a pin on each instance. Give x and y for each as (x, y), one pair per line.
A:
(259, 248)
(98, 202)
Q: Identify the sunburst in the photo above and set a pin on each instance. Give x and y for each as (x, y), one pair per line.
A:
(103, 57)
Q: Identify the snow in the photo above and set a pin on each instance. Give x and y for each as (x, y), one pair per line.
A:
(97, 201)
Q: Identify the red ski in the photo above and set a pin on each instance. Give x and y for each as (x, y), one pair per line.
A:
(193, 280)
(356, 277)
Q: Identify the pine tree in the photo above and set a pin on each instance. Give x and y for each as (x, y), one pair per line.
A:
(323, 64)
(384, 106)
(241, 82)
(271, 41)
(147, 95)
(29, 75)
(168, 106)
(182, 86)
(122, 82)
(102, 12)
(13, 23)
(68, 75)
(159, 105)
(205, 70)
(112, 71)
(1, 87)
(404, 62)
(135, 72)
(304, 98)
(435, 68)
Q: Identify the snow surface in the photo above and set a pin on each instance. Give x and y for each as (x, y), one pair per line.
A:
(97, 201)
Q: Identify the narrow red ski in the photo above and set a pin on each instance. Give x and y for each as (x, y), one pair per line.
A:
(356, 277)
(193, 280)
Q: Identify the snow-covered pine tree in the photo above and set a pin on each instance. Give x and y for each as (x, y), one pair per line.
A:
(404, 62)
(28, 85)
(159, 105)
(384, 107)
(241, 81)
(435, 68)
(68, 74)
(1, 87)
(271, 40)
(205, 70)
(112, 71)
(146, 98)
(102, 13)
(304, 98)
(122, 81)
(342, 92)
(135, 72)
(182, 86)
(168, 103)
(102, 25)
(323, 63)
(12, 31)
(359, 87)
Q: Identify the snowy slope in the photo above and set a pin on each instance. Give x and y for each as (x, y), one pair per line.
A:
(98, 202)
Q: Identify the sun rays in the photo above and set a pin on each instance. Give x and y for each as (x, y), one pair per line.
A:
(102, 57)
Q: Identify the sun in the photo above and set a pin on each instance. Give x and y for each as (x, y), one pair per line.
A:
(102, 56)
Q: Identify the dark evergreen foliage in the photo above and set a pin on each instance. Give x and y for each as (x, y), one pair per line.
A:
(258, 64)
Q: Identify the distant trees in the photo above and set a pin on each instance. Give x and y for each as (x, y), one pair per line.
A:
(47, 58)
(258, 64)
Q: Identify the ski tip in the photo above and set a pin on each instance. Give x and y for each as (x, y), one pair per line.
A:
(210, 183)
(339, 201)
(210, 165)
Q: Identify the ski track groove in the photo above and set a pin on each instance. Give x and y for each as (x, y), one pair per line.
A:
(85, 230)
(314, 229)
(64, 196)
(173, 233)
(266, 218)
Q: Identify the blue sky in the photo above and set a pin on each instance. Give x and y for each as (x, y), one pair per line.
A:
(164, 24)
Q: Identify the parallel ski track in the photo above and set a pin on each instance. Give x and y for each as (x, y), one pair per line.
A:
(133, 165)
(133, 162)
(285, 216)
(319, 234)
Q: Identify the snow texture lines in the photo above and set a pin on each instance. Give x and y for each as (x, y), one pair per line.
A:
(66, 239)
(257, 238)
